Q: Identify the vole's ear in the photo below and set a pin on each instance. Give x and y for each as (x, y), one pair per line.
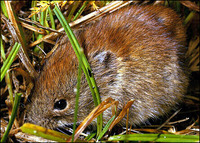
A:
(104, 58)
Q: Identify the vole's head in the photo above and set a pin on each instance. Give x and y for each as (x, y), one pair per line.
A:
(53, 100)
(54, 106)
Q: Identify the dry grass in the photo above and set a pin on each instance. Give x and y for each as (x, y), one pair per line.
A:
(25, 66)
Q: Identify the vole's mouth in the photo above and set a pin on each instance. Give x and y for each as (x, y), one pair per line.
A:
(68, 129)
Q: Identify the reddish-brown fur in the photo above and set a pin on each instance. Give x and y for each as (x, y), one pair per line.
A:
(136, 53)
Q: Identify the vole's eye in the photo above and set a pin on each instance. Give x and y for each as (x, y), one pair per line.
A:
(60, 104)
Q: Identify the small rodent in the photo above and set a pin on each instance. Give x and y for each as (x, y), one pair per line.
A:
(136, 52)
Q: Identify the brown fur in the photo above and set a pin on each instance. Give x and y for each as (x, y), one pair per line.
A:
(136, 53)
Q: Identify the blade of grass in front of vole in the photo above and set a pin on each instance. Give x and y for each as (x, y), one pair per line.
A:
(105, 129)
(95, 113)
(85, 65)
(77, 98)
(43, 132)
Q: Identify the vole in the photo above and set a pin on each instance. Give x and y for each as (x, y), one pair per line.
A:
(136, 52)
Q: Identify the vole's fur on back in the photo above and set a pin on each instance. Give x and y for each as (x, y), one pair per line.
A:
(136, 52)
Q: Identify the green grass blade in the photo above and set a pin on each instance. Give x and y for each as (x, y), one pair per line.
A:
(9, 57)
(178, 6)
(75, 5)
(90, 136)
(43, 132)
(34, 18)
(2, 50)
(7, 76)
(9, 60)
(155, 138)
(77, 99)
(42, 22)
(13, 115)
(189, 17)
(80, 10)
(51, 18)
(3, 8)
(105, 129)
(85, 65)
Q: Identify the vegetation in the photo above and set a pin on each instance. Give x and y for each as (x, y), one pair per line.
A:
(29, 30)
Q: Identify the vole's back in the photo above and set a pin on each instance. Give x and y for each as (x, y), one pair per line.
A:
(135, 53)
